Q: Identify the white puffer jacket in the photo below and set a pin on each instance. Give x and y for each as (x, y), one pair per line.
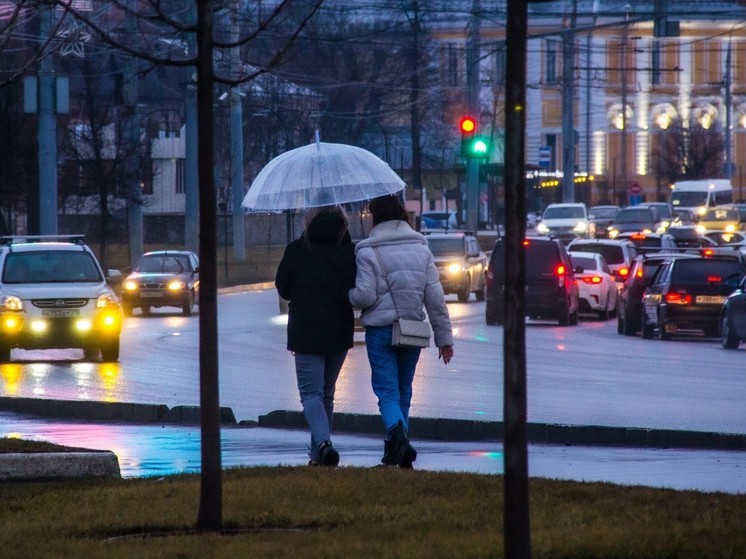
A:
(412, 276)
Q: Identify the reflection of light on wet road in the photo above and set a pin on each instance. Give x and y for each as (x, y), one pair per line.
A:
(39, 373)
(11, 375)
(109, 374)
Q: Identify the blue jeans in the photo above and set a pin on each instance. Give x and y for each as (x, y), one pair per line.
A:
(317, 378)
(392, 373)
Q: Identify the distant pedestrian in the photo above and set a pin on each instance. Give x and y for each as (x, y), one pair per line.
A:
(410, 281)
(315, 275)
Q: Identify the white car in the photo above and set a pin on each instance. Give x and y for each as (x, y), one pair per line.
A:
(54, 294)
(619, 254)
(597, 288)
(566, 222)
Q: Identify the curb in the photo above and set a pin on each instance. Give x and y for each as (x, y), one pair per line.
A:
(58, 465)
(248, 287)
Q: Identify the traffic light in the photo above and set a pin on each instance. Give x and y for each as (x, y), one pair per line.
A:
(473, 146)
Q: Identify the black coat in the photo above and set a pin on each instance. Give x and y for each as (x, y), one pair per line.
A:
(315, 276)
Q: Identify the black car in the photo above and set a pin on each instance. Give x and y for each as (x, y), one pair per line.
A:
(688, 293)
(460, 262)
(629, 315)
(551, 289)
(602, 217)
(633, 220)
(163, 278)
(733, 318)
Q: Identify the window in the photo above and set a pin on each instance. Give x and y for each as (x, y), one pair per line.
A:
(179, 176)
(655, 64)
(550, 69)
(453, 65)
(500, 64)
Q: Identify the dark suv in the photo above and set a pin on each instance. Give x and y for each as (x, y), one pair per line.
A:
(460, 262)
(688, 293)
(551, 289)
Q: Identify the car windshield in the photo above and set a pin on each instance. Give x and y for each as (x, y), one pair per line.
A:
(564, 212)
(603, 213)
(162, 264)
(721, 214)
(446, 247)
(52, 266)
(705, 271)
(688, 199)
(612, 254)
(634, 216)
(585, 262)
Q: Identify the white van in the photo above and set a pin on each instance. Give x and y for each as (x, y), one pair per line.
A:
(698, 195)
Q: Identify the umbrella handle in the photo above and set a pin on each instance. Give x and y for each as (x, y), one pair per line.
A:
(318, 140)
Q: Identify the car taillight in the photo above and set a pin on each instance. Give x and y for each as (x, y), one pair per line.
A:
(640, 272)
(592, 279)
(678, 298)
(624, 272)
(714, 279)
(559, 270)
(707, 252)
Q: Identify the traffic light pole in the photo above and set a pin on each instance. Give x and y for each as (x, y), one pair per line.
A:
(472, 164)
(472, 194)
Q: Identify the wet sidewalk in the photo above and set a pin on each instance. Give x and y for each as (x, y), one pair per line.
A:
(158, 450)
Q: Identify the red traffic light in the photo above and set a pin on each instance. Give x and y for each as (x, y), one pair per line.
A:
(467, 125)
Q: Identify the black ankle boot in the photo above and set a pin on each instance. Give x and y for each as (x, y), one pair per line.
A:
(389, 453)
(405, 453)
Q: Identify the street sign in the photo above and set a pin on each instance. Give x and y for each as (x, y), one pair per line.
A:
(635, 189)
(545, 156)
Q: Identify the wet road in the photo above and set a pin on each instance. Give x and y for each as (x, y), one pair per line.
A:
(585, 375)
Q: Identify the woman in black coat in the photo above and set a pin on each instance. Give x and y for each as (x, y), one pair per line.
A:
(315, 274)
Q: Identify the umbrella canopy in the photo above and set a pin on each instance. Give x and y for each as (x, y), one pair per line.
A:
(321, 174)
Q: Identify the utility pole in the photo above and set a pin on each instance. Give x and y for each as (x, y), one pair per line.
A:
(237, 190)
(568, 109)
(728, 139)
(47, 133)
(134, 161)
(473, 105)
(414, 108)
(623, 151)
(191, 183)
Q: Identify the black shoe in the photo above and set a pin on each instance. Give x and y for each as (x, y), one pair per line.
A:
(389, 453)
(405, 453)
(327, 455)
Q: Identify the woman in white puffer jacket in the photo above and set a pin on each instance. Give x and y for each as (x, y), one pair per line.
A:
(413, 282)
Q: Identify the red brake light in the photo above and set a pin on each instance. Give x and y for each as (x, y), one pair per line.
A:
(639, 236)
(640, 272)
(714, 279)
(678, 298)
(526, 242)
(624, 272)
(592, 279)
(559, 270)
(708, 252)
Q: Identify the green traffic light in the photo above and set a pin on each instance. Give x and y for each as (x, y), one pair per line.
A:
(477, 147)
(480, 147)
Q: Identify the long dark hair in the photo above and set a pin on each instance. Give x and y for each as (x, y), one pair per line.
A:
(387, 208)
(313, 213)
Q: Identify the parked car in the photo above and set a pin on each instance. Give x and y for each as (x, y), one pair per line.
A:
(688, 293)
(438, 219)
(633, 220)
(629, 313)
(566, 222)
(618, 254)
(551, 291)
(597, 288)
(162, 278)
(54, 295)
(460, 262)
(733, 318)
(649, 242)
(602, 217)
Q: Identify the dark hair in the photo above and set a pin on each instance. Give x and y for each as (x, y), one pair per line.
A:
(313, 213)
(387, 208)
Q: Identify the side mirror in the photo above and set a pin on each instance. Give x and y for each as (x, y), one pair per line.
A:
(114, 277)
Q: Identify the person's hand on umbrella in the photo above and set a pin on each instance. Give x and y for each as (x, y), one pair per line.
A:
(445, 353)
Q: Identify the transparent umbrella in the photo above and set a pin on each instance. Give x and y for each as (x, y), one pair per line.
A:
(321, 174)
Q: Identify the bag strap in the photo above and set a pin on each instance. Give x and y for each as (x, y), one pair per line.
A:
(386, 278)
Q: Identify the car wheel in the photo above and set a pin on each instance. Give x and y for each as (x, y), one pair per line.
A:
(647, 329)
(564, 315)
(127, 310)
(604, 314)
(629, 329)
(481, 293)
(727, 336)
(662, 334)
(110, 350)
(188, 307)
(465, 291)
(91, 353)
(4, 354)
(619, 324)
(574, 319)
(145, 309)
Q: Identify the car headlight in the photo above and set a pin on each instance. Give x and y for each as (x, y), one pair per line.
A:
(700, 229)
(542, 228)
(730, 228)
(106, 300)
(613, 233)
(454, 268)
(130, 285)
(580, 227)
(176, 285)
(11, 303)
(702, 210)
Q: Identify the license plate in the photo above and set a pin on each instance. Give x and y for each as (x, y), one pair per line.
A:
(151, 294)
(60, 313)
(710, 299)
